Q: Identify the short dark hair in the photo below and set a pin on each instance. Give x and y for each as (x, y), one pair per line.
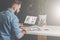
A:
(14, 2)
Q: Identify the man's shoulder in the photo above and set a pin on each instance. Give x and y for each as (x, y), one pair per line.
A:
(5, 14)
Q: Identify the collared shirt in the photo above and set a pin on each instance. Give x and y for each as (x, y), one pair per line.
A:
(9, 25)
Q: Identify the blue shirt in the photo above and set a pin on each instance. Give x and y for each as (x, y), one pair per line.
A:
(9, 25)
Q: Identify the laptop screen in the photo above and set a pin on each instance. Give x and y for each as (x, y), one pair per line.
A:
(30, 20)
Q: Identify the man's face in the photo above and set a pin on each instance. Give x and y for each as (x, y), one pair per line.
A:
(18, 8)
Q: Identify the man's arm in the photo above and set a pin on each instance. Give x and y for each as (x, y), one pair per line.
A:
(22, 34)
(22, 27)
(15, 27)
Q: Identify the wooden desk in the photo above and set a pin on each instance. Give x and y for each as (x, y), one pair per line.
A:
(42, 37)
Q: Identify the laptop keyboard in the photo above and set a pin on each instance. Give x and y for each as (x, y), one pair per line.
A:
(34, 28)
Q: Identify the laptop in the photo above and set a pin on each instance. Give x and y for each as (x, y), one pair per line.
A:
(30, 20)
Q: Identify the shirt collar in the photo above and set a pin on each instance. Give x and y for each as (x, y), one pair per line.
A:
(9, 9)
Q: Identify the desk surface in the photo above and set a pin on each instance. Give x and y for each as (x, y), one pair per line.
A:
(45, 30)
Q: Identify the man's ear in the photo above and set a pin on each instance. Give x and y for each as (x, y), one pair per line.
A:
(14, 8)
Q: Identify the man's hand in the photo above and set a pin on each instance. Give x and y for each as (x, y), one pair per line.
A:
(23, 28)
(21, 25)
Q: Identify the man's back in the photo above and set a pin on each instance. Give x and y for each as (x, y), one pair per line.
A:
(4, 29)
(9, 26)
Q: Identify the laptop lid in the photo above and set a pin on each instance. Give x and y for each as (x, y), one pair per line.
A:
(30, 20)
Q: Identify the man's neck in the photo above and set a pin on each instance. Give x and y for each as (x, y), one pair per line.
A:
(12, 9)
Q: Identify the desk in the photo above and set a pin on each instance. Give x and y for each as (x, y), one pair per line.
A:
(46, 31)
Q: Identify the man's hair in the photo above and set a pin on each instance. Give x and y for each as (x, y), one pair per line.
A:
(12, 2)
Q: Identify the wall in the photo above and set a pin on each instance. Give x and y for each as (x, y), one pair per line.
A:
(53, 12)
(30, 7)
(49, 7)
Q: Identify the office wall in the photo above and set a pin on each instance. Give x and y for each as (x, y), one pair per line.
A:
(30, 7)
(53, 12)
(48, 7)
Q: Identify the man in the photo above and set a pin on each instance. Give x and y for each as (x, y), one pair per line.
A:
(9, 23)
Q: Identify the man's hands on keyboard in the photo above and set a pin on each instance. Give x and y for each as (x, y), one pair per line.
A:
(39, 29)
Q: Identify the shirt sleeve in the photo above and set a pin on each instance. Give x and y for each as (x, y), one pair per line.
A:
(15, 27)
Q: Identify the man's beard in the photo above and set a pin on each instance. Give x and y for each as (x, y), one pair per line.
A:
(16, 13)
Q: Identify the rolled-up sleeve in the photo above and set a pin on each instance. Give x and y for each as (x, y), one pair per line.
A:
(15, 27)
